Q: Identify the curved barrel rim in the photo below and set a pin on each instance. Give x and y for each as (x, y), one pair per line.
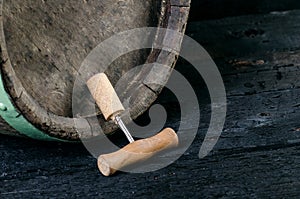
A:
(35, 122)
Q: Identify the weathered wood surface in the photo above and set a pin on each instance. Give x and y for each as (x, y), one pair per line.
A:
(215, 9)
(43, 46)
(47, 42)
(256, 157)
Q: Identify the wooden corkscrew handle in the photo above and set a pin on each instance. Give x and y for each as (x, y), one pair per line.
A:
(137, 151)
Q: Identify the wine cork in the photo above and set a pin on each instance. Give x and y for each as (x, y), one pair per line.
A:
(105, 96)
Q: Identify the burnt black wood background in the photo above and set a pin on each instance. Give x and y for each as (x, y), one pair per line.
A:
(256, 46)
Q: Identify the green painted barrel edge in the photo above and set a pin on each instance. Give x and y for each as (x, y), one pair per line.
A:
(16, 120)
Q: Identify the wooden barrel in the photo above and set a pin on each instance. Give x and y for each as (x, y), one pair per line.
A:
(44, 43)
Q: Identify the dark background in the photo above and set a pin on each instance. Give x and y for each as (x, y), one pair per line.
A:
(256, 46)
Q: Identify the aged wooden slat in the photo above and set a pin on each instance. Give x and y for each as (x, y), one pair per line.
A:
(253, 34)
(44, 44)
(50, 41)
(215, 9)
(256, 157)
(253, 157)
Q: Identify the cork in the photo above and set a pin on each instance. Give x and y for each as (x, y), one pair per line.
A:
(105, 96)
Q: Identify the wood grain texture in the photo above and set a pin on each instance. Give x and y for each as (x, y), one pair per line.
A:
(216, 9)
(137, 152)
(47, 42)
(257, 155)
(44, 44)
